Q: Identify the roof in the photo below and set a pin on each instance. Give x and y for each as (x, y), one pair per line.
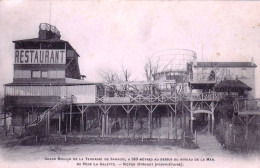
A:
(68, 81)
(232, 85)
(226, 64)
(53, 40)
(75, 81)
(40, 40)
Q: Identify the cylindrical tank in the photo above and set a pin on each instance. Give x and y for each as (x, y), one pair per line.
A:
(173, 59)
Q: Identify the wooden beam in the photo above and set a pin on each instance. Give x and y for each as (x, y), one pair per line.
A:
(71, 118)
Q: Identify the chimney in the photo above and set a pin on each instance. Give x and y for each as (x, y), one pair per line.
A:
(252, 61)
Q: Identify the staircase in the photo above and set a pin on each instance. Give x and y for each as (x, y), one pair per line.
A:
(49, 113)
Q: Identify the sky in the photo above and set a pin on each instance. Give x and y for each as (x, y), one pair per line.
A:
(112, 34)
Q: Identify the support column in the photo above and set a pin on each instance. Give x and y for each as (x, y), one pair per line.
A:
(128, 109)
(168, 122)
(105, 120)
(82, 122)
(60, 122)
(86, 117)
(213, 123)
(151, 124)
(103, 125)
(49, 122)
(175, 126)
(150, 118)
(46, 126)
(128, 116)
(172, 124)
(82, 110)
(246, 127)
(28, 120)
(184, 119)
(71, 118)
(107, 127)
(66, 120)
(208, 123)
(191, 117)
(213, 118)
(175, 121)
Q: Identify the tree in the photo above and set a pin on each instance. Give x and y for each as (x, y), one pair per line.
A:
(126, 73)
(109, 76)
(153, 67)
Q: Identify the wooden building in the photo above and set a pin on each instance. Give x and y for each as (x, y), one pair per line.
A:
(48, 92)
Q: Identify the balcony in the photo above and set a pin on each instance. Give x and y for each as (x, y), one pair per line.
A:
(247, 106)
(137, 93)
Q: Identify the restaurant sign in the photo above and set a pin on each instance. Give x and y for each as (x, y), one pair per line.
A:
(40, 56)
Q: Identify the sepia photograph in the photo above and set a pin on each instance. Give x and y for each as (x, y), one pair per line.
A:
(128, 83)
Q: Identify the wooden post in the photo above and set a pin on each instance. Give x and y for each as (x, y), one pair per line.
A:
(71, 118)
(100, 124)
(208, 123)
(128, 116)
(191, 117)
(82, 122)
(66, 123)
(60, 122)
(107, 127)
(5, 124)
(103, 125)
(172, 124)
(213, 123)
(86, 117)
(184, 120)
(168, 123)
(46, 126)
(175, 125)
(151, 124)
(246, 128)
(48, 122)
(28, 120)
(212, 118)
(175, 122)
(195, 138)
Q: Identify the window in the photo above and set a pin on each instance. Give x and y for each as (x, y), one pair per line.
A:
(22, 74)
(26, 74)
(44, 74)
(60, 74)
(36, 74)
(53, 74)
(57, 74)
(244, 73)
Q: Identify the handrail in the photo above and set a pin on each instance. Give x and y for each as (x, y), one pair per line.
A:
(48, 27)
(51, 111)
(245, 104)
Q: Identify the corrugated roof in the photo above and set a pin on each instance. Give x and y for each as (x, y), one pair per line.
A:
(225, 64)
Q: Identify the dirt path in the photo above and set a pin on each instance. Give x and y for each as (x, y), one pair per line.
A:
(35, 156)
(209, 144)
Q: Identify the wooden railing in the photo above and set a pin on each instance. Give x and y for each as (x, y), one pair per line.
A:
(52, 111)
(247, 105)
(138, 98)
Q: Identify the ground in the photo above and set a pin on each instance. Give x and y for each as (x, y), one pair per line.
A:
(209, 155)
